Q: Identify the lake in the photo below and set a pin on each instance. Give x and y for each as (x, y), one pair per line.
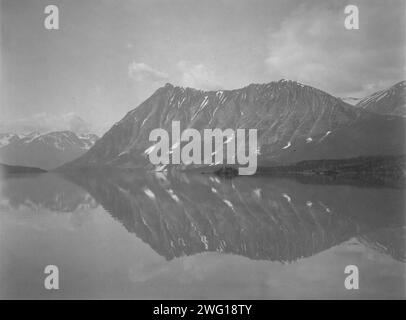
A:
(137, 235)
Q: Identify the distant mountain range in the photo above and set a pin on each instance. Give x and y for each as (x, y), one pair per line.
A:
(46, 151)
(295, 122)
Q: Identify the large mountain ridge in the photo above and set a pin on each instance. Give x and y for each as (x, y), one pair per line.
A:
(294, 122)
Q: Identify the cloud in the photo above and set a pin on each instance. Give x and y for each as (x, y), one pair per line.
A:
(312, 46)
(140, 71)
(45, 122)
(198, 76)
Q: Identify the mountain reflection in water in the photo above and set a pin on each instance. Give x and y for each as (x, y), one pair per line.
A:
(260, 218)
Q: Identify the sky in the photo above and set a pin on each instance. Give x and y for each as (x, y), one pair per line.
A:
(108, 56)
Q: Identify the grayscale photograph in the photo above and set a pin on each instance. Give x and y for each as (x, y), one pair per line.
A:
(202, 150)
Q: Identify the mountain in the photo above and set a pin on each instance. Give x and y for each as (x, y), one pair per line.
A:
(44, 122)
(7, 138)
(391, 101)
(46, 151)
(294, 122)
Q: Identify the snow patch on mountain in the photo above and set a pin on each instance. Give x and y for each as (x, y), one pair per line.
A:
(7, 138)
(351, 100)
(287, 146)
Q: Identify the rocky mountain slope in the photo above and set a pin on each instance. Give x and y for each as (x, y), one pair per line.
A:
(294, 122)
(370, 135)
(391, 101)
(46, 151)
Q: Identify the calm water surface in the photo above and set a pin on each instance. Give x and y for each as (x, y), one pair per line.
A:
(146, 236)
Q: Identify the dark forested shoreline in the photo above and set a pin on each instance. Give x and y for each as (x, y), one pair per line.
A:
(375, 170)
